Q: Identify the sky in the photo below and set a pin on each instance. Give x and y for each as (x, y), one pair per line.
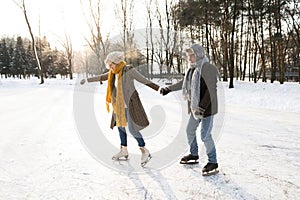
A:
(59, 17)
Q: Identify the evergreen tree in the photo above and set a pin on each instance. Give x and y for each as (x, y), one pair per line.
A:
(11, 69)
(4, 58)
(31, 67)
(19, 61)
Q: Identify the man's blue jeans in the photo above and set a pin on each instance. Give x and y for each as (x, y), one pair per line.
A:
(206, 137)
(123, 135)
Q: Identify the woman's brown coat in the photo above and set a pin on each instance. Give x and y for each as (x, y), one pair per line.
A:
(131, 96)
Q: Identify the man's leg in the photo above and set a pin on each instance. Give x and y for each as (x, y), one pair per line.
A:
(206, 137)
(191, 135)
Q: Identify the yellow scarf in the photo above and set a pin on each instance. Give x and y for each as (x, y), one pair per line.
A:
(118, 103)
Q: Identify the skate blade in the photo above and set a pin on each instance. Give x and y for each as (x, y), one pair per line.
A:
(145, 162)
(210, 173)
(189, 162)
(123, 158)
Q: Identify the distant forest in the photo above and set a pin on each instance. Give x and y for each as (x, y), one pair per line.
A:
(17, 59)
(251, 39)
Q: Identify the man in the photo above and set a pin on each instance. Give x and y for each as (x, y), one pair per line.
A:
(199, 88)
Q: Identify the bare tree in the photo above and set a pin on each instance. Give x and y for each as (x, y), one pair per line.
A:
(97, 43)
(232, 42)
(279, 35)
(296, 36)
(82, 61)
(159, 53)
(69, 54)
(164, 18)
(68, 51)
(125, 16)
(150, 55)
(22, 6)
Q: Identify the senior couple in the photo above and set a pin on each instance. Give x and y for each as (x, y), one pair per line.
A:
(199, 89)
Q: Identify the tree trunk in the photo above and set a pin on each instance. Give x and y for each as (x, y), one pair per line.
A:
(231, 67)
(40, 71)
(279, 38)
(246, 51)
(262, 50)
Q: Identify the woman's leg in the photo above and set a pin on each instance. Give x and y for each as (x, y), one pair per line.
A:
(123, 136)
(136, 134)
(123, 149)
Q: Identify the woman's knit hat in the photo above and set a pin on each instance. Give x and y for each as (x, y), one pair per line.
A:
(115, 57)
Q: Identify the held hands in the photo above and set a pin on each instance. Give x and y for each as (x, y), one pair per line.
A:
(164, 91)
(198, 113)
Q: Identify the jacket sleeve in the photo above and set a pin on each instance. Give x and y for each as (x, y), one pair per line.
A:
(102, 77)
(176, 86)
(140, 78)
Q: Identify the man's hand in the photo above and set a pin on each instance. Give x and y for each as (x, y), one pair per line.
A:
(198, 113)
(164, 91)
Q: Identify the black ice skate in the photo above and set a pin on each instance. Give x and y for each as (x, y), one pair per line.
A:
(189, 159)
(210, 169)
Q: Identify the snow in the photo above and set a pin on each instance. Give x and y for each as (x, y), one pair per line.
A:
(56, 143)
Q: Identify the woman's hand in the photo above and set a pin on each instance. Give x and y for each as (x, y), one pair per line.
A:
(82, 81)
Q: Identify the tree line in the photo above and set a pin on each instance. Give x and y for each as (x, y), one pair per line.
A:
(254, 37)
(17, 59)
(251, 39)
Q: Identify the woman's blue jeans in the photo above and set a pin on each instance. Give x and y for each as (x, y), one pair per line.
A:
(206, 137)
(123, 135)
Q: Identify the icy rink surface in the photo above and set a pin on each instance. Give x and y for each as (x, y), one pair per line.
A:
(43, 157)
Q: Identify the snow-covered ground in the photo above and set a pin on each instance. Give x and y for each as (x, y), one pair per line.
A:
(47, 151)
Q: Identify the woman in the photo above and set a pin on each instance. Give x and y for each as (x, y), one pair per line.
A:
(127, 107)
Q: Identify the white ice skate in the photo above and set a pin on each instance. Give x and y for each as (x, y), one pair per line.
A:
(122, 155)
(146, 156)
